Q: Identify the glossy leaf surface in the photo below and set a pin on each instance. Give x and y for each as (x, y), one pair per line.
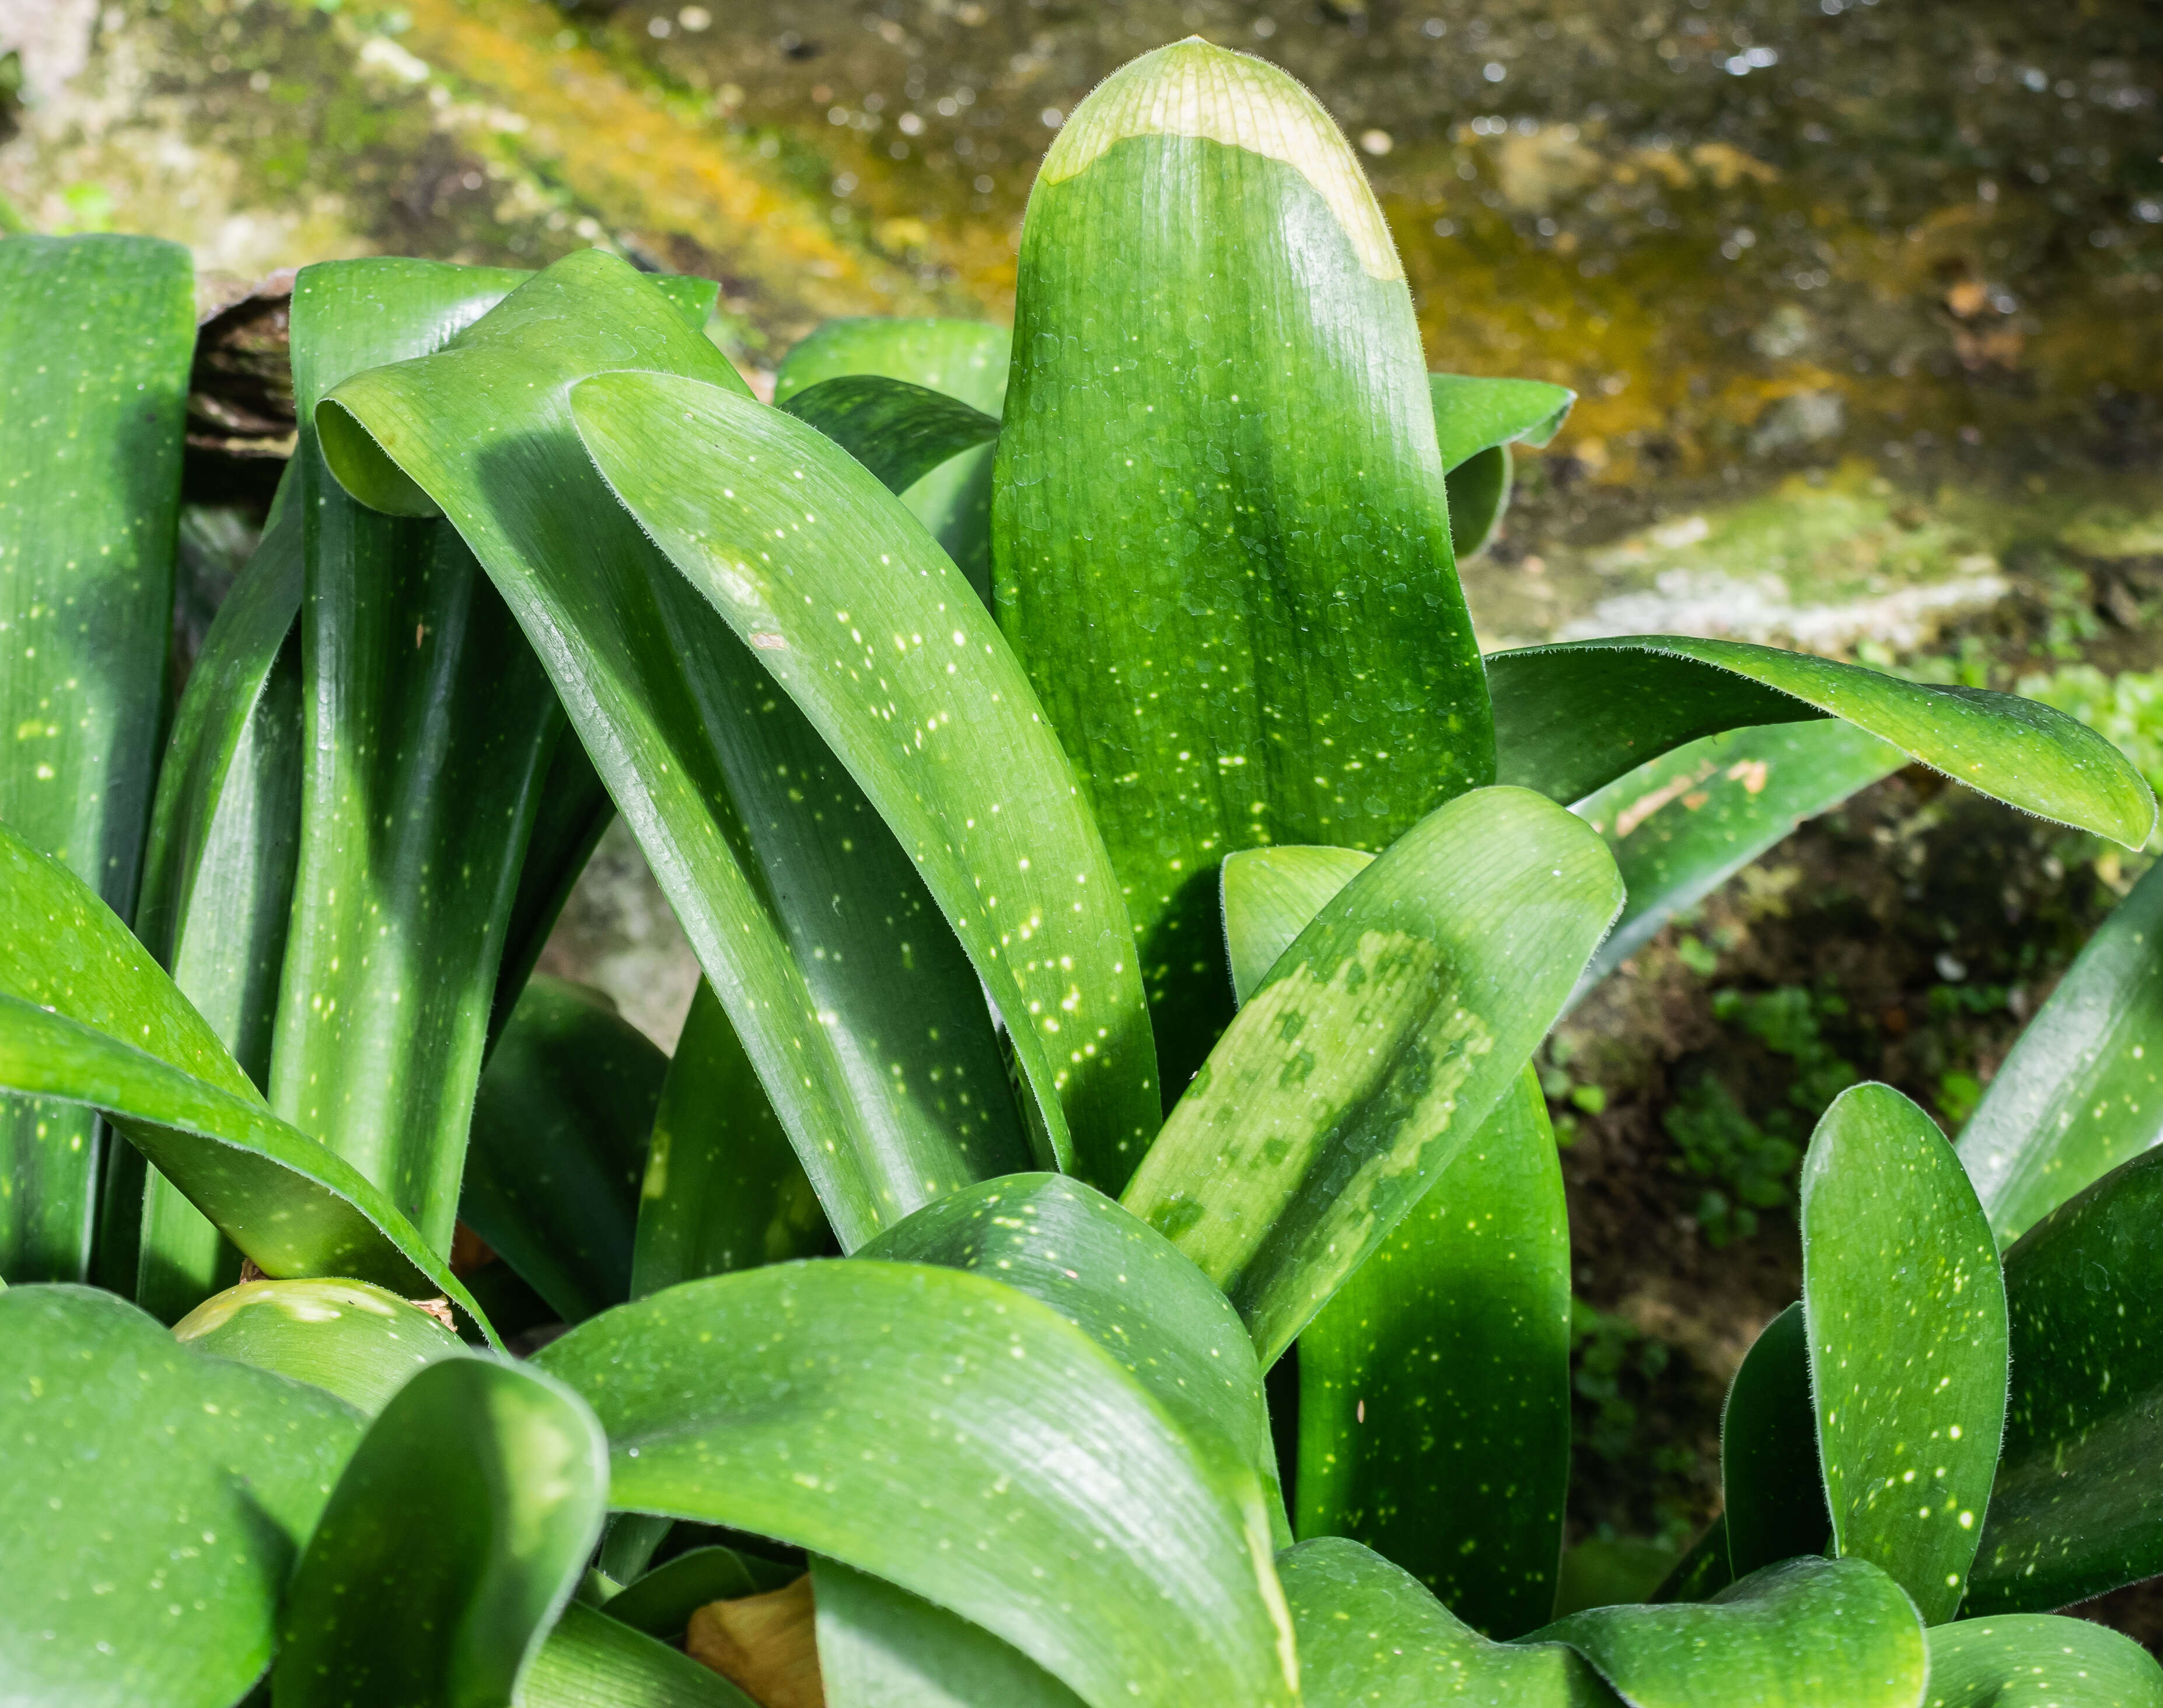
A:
(359, 1342)
(1381, 1041)
(559, 1146)
(573, 813)
(1221, 537)
(1809, 1634)
(1904, 1305)
(812, 926)
(908, 679)
(722, 1188)
(153, 1505)
(2078, 1094)
(451, 1543)
(880, 1647)
(1684, 825)
(1372, 1636)
(719, 1396)
(2034, 1661)
(1773, 1490)
(964, 359)
(96, 333)
(591, 1661)
(2078, 1505)
(900, 431)
(1572, 717)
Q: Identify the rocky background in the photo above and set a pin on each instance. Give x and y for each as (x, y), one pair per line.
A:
(1863, 299)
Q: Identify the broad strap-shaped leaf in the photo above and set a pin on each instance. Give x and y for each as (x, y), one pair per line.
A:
(955, 1437)
(1771, 1489)
(814, 927)
(1569, 718)
(573, 814)
(87, 1018)
(1434, 1396)
(97, 334)
(1270, 895)
(1905, 1305)
(898, 430)
(1220, 532)
(662, 1602)
(558, 1148)
(451, 1543)
(1476, 422)
(2078, 1506)
(1380, 1042)
(1684, 825)
(875, 637)
(722, 1189)
(592, 1661)
(2079, 1093)
(154, 1504)
(880, 1647)
(1122, 1282)
(1808, 1633)
(359, 1342)
(967, 360)
(2032, 1660)
(1372, 1636)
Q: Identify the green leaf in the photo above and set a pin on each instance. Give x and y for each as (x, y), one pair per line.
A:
(1684, 824)
(965, 359)
(1475, 421)
(1218, 505)
(1121, 1281)
(662, 1602)
(1772, 1488)
(816, 931)
(2077, 1509)
(1699, 1575)
(155, 1502)
(359, 1342)
(905, 677)
(1270, 895)
(573, 814)
(558, 1146)
(1905, 1305)
(2036, 1661)
(1378, 1045)
(2078, 1094)
(873, 1412)
(880, 1647)
(722, 1188)
(1434, 1396)
(1809, 1634)
(87, 1018)
(452, 1542)
(1372, 1636)
(1569, 718)
(98, 334)
(591, 1661)
(900, 432)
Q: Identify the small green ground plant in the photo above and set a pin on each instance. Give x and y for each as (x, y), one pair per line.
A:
(1129, 906)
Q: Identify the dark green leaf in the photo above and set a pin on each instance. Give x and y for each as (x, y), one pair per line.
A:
(96, 337)
(590, 1661)
(1904, 1305)
(559, 1146)
(2034, 1661)
(880, 1647)
(1221, 537)
(817, 932)
(661, 1603)
(1475, 421)
(722, 1188)
(1479, 492)
(900, 1418)
(1809, 1633)
(1380, 1043)
(2078, 1506)
(1570, 718)
(900, 431)
(1699, 1574)
(2079, 1093)
(965, 359)
(449, 1546)
(573, 813)
(1371, 1636)
(1773, 1490)
(359, 1342)
(154, 1504)
(1684, 825)
(932, 715)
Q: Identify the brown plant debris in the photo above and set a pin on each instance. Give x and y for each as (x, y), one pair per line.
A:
(765, 1645)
